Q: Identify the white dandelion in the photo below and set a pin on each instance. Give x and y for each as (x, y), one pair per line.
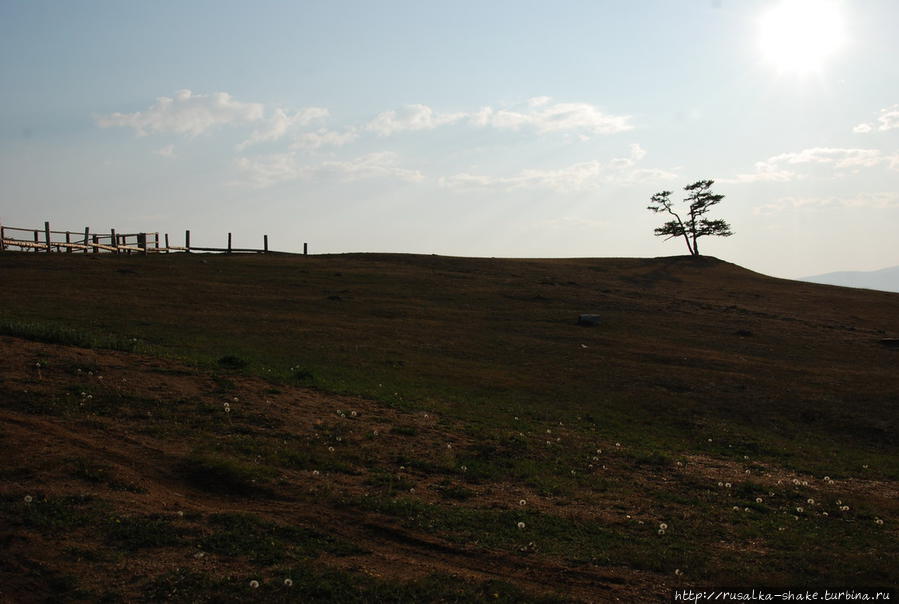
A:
(254, 583)
(521, 525)
(288, 583)
(28, 499)
(663, 526)
(758, 499)
(522, 502)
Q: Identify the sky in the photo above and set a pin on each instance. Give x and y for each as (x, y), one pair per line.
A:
(466, 128)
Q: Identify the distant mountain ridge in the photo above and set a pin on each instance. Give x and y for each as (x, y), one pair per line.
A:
(886, 279)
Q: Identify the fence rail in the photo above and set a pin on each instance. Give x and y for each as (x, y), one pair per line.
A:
(86, 241)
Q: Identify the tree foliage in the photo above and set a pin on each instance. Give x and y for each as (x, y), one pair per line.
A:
(700, 200)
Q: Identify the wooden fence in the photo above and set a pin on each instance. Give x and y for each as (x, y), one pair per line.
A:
(43, 240)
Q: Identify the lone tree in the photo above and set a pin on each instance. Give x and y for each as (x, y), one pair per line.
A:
(701, 200)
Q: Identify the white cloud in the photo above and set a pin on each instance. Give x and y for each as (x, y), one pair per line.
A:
(186, 113)
(379, 164)
(279, 123)
(268, 170)
(887, 120)
(545, 117)
(874, 201)
(322, 137)
(272, 169)
(168, 151)
(781, 168)
(411, 117)
(581, 176)
(839, 158)
(539, 114)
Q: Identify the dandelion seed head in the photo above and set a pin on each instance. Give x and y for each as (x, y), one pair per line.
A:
(522, 502)
(28, 499)
(663, 526)
(521, 525)
(825, 514)
(800, 509)
(736, 508)
(315, 472)
(288, 583)
(758, 499)
(617, 444)
(661, 531)
(464, 468)
(878, 521)
(810, 501)
(727, 485)
(678, 572)
(720, 484)
(254, 583)
(331, 449)
(353, 414)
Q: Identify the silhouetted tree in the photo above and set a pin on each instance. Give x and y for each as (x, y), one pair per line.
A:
(692, 227)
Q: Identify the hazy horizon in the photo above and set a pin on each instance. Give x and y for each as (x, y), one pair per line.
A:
(511, 129)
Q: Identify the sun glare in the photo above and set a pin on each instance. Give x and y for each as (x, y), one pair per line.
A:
(799, 36)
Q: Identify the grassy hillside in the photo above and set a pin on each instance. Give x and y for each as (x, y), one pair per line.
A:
(486, 392)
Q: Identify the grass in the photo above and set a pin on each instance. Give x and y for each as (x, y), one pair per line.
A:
(605, 431)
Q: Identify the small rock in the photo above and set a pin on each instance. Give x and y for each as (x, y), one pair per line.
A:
(588, 320)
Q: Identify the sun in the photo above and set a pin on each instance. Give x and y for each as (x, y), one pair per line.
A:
(799, 36)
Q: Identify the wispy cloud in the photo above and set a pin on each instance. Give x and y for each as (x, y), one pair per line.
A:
(276, 126)
(265, 171)
(186, 113)
(887, 120)
(873, 201)
(783, 167)
(538, 114)
(322, 137)
(544, 117)
(581, 176)
(411, 117)
(168, 152)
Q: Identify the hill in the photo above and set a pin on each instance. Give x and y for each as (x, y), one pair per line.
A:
(886, 279)
(396, 423)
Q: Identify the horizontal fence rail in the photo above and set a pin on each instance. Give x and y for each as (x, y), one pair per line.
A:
(87, 241)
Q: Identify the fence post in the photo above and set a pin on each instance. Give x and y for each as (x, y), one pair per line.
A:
(187, 241)
(47, 234)
(229, 243)
(68, 240)
(2, 238)
(35, 240)
(115, 240)
(166, 243)
(142, 242)
(86, 240)
(305, 249)
(157, 241)
(96, 240)
(265, 243)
